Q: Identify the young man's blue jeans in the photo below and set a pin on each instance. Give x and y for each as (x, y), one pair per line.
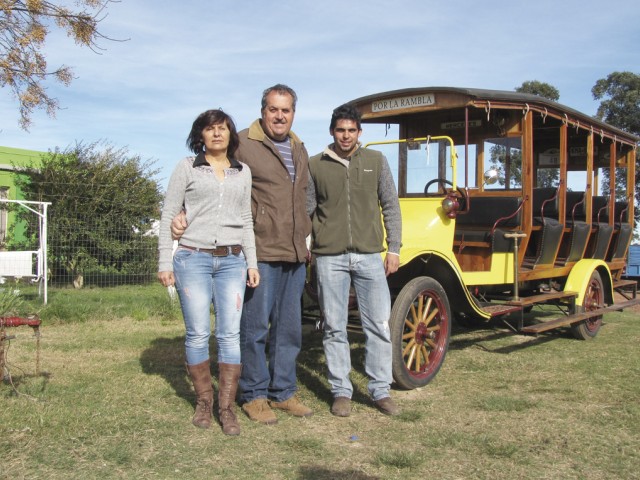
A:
(335, 275)
(202, 279)
(272, 312)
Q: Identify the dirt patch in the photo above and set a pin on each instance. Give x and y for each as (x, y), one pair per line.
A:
(619, 298)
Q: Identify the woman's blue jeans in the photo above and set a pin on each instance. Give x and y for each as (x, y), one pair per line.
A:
(202, 279)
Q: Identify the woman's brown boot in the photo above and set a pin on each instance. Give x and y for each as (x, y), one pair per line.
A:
(227, 388)
(201, 377)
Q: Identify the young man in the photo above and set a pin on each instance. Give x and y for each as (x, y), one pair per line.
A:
(279, 169)
(349, 186)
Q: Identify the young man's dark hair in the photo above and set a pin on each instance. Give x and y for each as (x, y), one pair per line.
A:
(345, 112)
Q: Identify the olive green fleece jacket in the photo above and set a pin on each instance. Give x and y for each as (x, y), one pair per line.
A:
(345, 198)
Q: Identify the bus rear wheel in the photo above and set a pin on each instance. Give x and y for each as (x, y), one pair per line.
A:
(420, 329)
(593, 299)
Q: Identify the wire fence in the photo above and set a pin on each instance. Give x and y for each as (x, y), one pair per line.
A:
(96, 254)
(104, 256)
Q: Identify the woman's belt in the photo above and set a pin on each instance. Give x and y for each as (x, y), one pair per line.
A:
(218, 251)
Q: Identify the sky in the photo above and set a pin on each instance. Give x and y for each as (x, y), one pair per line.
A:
(175, 60)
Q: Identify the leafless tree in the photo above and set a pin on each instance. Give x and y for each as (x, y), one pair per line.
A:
(24, 26)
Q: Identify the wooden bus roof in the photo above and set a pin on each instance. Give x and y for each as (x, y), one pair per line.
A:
(395, 103)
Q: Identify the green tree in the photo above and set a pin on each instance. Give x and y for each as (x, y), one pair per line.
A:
(103, 203)
(620, 106)
(620, 100)
(541, 89)
(24, 26)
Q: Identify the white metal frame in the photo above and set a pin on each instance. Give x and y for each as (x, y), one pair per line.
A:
(40, 209)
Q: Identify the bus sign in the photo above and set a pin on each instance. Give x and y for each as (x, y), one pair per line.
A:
(403, 102)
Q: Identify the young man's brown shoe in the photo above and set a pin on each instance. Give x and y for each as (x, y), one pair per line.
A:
(387, 406)
(341, 407)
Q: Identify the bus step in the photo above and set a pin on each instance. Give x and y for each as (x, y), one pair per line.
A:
(627, 288)
(625, 284)
(576, 317)
(501, 309)
(550, 325)
(542, 298)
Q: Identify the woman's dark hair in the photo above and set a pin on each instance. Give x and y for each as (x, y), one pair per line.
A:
(206, 119)
(345, 112)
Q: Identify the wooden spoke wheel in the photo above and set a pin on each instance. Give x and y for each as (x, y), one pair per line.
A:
(593, 299)
(420, 328)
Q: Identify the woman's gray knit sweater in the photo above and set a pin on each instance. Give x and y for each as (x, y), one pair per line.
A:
(218, 211)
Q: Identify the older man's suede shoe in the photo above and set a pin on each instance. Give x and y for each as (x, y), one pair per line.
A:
(292, 406)
(259, 411)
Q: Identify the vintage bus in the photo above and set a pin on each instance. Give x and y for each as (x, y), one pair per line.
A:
(510, 203)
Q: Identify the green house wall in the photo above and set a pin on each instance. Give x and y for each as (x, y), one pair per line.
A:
(10, 159)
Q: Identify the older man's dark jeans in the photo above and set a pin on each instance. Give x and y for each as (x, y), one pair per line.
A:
(273, 311)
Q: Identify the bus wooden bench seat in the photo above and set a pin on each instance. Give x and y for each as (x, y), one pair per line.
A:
(602, 230)
(579, 229)
(622, 232)
(545, 211)
(486, 222)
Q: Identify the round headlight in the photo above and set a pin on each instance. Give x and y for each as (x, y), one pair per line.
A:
(450, 206)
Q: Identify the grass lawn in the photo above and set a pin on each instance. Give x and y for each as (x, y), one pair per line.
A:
(112, 400)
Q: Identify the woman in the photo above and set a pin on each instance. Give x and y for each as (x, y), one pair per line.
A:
(210, 263)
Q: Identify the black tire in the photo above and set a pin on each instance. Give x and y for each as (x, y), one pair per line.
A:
(419, 347)
(593, 299)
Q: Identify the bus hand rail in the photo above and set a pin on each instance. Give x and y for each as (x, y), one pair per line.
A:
(508, 217)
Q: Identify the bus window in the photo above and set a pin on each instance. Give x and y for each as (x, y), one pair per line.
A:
(425, 162)
(549, 177)
(621, 183)
(600, 180)
(548, 168)
(467, 178)
(576, 181)
(504, 155)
